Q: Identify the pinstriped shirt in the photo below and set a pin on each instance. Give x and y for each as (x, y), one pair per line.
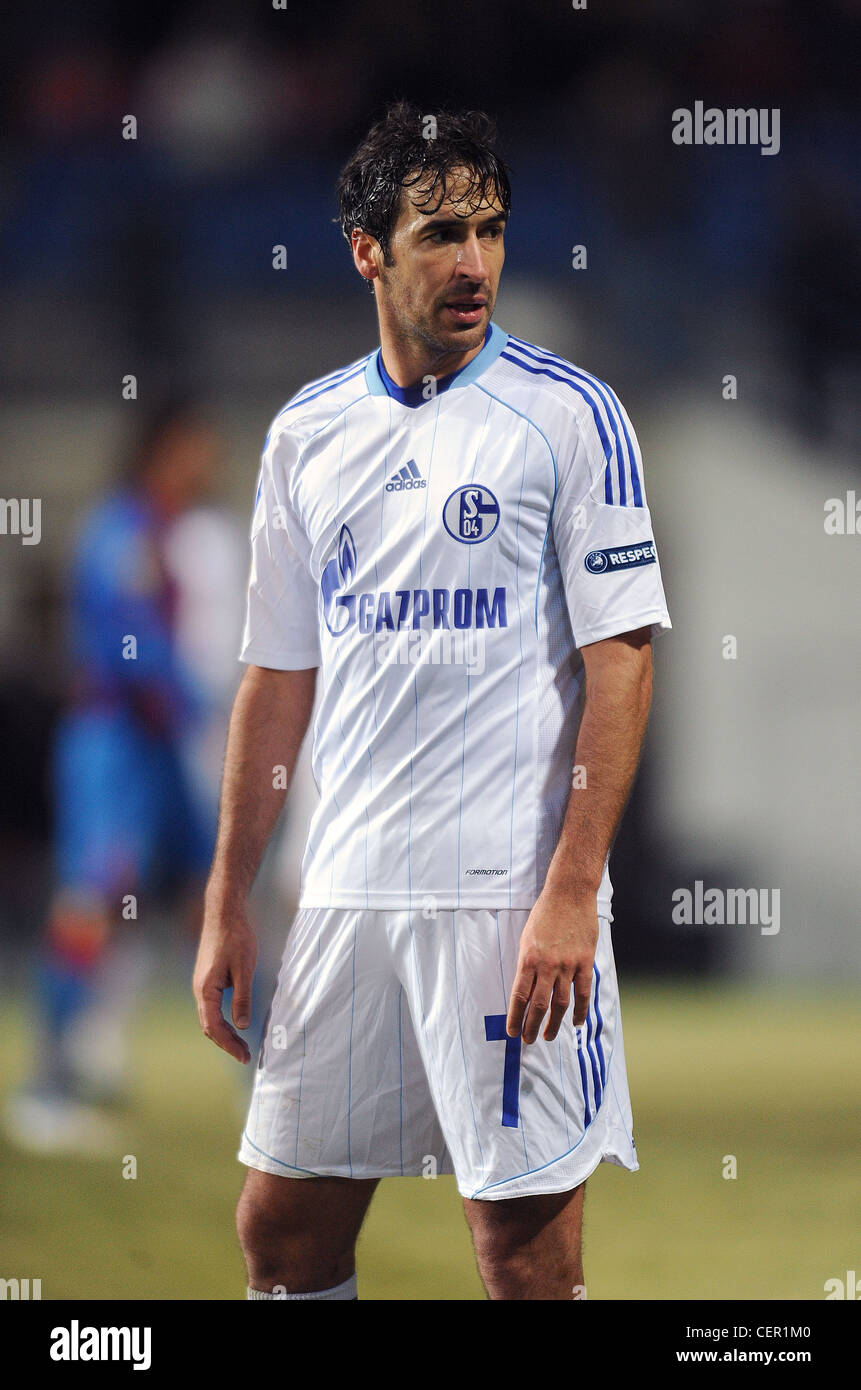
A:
(442, 553)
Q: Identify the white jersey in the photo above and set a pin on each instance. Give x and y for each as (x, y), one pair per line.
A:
(442, 557)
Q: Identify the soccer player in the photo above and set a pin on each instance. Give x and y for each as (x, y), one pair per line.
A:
(132, 816)
(454, 531)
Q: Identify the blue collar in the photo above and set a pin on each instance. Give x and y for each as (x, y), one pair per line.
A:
(380, 383)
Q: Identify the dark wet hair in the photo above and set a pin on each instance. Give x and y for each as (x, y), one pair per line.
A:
(397, 153)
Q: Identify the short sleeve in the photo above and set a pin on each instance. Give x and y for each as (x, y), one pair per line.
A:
(602, 528)
(281, 624)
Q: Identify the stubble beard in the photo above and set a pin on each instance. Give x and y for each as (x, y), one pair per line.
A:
(425, 331)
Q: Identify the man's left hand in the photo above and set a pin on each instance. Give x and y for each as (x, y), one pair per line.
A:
(557, 947)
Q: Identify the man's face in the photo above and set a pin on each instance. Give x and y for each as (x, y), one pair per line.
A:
(442, 285)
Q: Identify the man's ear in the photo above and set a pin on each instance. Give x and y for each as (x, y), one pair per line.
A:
(366, 254)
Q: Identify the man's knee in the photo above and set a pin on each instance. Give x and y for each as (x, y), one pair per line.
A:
(272, 1220)
(260, 1226)
(507, 1249)
(300, 1233)
(503, 1264)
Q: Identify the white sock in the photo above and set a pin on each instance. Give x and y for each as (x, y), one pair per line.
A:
(344, 1291)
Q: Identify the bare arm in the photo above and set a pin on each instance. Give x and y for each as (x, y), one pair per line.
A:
(559, 939)
(269, 719)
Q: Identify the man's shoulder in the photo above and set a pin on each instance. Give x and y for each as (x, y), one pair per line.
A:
(547, 386)
(321, 399)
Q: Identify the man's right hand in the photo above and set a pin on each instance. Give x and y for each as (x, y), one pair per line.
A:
(268, 722)
(226, 956)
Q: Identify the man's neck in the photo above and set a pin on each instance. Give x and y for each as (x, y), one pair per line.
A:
(409, 361)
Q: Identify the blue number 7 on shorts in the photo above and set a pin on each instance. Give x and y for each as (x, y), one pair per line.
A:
(494, 1031)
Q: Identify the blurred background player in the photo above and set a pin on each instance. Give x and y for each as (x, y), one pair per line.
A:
(152, 624)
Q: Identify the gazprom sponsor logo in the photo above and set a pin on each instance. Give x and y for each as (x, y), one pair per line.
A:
(389, 610)
(393, 610)
(335, 577)
(620, 557)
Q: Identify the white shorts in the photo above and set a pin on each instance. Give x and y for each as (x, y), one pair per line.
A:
(385, 1054)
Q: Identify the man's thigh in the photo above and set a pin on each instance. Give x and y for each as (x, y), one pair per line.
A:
(301, 1232)
(530, 1247)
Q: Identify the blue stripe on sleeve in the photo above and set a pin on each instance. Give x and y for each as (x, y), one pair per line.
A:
(573, 375)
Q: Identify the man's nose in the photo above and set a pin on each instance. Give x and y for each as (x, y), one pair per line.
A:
(470, 260)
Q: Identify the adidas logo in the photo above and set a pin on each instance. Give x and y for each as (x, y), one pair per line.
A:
(405, 478)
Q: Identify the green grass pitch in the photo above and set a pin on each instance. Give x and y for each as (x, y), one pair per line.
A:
(767, 1076)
